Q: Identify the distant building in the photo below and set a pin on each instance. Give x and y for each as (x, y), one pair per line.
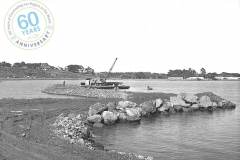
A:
(65, 69)
(88, 81)
(45, 66)
(195, 78)
(227, 78)
(81, 70)
(175, 78)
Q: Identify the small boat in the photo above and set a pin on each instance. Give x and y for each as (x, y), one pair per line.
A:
(105, 87)
(149, 88)
(98, 87)
(123, 87)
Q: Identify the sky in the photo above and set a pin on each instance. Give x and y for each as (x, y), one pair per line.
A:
(145, 35)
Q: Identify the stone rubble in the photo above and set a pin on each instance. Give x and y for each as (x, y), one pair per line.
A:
(73, 128)
(75, 90)
(127, 111)
(78, 130)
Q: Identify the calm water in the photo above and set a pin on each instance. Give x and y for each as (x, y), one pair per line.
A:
(196, 135)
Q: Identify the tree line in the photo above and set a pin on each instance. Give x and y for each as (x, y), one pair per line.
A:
(184, 73)
(40, 66)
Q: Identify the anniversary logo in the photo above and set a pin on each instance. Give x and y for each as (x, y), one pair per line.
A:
(29, 24)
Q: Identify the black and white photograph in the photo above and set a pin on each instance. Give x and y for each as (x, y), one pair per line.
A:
(120, 80)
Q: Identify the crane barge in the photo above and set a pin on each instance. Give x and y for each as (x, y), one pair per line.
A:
(102, 83)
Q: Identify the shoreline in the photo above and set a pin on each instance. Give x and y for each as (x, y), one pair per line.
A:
(27, 123)
(25, 129)
(32, 79)
(26, 79)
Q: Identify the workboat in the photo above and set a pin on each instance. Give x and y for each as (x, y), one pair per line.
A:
(92, 83)
(123, 87)
(99, 87)
(102, 83)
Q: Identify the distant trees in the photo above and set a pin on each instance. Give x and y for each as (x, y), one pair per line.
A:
(203, 72)
(17, 65)
(140, 75)
(89, 70)
(182, 73)
(135, 75)
(75, 68)
(5, 64)
(80, 69)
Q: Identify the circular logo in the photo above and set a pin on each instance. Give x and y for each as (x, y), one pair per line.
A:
(29, 24)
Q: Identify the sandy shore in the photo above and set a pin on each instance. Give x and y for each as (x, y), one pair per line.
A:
(26, 133)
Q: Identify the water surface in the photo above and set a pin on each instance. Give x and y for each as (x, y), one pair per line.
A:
(197, 135)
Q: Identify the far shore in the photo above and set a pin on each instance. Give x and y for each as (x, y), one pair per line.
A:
(83, 78)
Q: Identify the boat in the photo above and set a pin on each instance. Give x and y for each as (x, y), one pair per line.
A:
(105, 87)
(123, 87)
(102, 83)
(149, 88)
(98, 87)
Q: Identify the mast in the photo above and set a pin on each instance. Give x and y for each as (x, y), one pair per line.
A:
(111, 69)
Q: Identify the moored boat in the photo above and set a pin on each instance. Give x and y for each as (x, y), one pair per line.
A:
(123, 87)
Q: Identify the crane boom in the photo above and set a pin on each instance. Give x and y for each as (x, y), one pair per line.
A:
(111, 69)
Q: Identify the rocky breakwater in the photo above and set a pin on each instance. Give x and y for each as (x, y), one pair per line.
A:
(127, 111)
(75, 90)
(76, 130)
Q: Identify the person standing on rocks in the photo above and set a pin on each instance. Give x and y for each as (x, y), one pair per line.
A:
(63, 83)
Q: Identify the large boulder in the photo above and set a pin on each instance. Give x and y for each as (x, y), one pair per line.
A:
(159, 103)
(171, 111)
(186, 109)
(221, 103)
(125, 104)
(214, 104)
(148, 107)
(96, 108)
(195, 106)
(189, 98)
(225, 104)
(123, 117)
(133, 119)
(178, 108)
(177, 101)
(95, 118)
(205, 102)
(109, 117)
(133, 112)
(111, 106)
(230, 105)
(164, 107)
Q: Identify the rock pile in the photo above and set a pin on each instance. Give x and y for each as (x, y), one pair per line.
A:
(74, 129)
(77, 129)
(185, 102)
(127, 111)
(74, 90)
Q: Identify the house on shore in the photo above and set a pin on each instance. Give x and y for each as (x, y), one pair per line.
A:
(175, 78)
(195, 78)
(228, 78)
